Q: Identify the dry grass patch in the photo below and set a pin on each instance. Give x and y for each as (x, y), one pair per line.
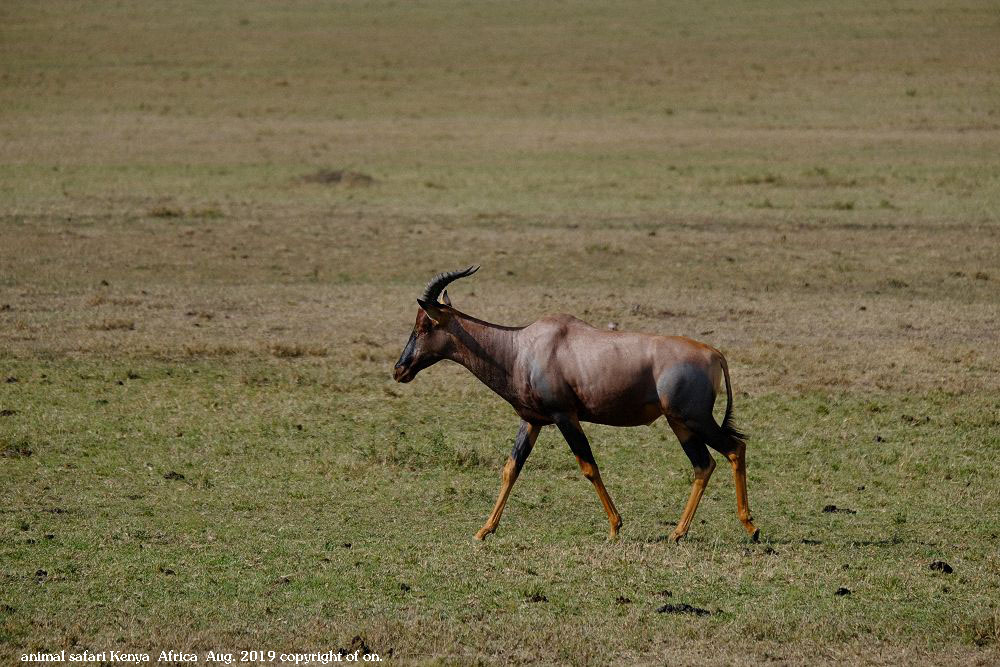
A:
(349, 179)
(209, 350)
(284, 350)
(113, 325)
(166, 212)
(105, 299)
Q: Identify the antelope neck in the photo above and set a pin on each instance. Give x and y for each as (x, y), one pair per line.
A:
(486, 349)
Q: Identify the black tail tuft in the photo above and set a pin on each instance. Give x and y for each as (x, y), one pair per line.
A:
(727, 422)
(732, 431)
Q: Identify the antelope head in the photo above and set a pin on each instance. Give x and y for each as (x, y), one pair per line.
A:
(430, 340)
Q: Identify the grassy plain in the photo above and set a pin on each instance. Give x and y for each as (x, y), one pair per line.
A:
(201, 446)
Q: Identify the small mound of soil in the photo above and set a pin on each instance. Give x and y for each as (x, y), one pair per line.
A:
(358, 645)
(843, 510)
(16, 452)
(941, 566)
(683, 608)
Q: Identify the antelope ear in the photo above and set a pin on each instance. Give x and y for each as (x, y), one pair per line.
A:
(437, 312)
(446, 299)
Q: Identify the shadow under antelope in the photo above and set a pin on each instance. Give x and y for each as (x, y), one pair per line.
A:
(560, 370)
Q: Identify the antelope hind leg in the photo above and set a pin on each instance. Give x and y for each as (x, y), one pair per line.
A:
(737, 458)
(704, 465)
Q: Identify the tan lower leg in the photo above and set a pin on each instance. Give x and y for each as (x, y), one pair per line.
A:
(509, 476)
(591, 472)
(701, 477)
(738, 461)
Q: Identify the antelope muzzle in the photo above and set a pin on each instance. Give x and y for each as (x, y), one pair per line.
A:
(405, 369)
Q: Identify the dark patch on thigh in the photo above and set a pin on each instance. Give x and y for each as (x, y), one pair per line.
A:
(688, 393)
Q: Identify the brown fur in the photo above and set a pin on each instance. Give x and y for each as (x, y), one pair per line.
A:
(560, 370)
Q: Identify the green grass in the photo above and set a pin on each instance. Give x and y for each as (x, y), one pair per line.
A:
(202, 340)
(284, 534)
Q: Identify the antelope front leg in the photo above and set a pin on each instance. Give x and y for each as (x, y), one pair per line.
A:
(577, 439)
(523, 444)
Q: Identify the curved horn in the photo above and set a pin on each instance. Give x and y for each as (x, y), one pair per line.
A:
(441, 280)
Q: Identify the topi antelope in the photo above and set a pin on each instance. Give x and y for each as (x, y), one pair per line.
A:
(560, 370)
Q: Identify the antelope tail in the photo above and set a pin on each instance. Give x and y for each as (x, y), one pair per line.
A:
(727, 422)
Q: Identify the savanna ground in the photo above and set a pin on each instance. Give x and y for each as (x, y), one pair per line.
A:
(201, 444)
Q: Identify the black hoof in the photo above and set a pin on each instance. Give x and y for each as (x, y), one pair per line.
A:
(756, 535)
